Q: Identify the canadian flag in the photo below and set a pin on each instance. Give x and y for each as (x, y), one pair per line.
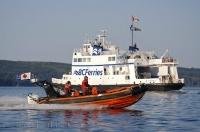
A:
(25, 76)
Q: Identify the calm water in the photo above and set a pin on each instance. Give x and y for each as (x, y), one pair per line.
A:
(157, 111)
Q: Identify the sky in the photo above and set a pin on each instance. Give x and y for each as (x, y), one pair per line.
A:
(49, 30)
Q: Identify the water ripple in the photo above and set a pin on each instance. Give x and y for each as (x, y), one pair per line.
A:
(157, 111)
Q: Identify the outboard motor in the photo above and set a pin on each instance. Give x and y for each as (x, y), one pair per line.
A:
(49, 89)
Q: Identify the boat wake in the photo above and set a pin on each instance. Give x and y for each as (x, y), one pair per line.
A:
(8, 101)
(20, 103)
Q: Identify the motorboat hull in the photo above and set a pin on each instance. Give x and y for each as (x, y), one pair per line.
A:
(119, 97)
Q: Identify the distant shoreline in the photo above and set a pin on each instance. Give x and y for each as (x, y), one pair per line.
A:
(46, 70)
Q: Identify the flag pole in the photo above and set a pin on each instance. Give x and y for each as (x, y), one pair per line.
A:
(132, 30)
(132, 26)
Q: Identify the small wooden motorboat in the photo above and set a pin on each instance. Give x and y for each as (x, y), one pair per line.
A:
(118, 97)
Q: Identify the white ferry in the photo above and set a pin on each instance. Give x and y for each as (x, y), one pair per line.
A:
(107, 65)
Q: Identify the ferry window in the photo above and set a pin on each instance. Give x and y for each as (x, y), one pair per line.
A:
(88, 59)
(105, 71)
(84, 59)
(127, 77)
(79, 59)
(120, 68)
(88, 46)
(75, 59)
(109, 58)
(113, 59)
(137, 57)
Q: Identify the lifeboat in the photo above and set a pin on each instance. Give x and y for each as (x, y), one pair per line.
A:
(117, 97)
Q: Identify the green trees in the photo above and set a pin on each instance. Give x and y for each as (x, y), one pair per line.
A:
(43, 70)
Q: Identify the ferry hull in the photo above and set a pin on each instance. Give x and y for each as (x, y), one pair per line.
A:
(164, 86)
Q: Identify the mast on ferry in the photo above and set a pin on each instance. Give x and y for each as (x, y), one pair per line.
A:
(133, 28)
(103, 36)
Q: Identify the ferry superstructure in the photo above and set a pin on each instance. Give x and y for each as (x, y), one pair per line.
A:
(106, 65)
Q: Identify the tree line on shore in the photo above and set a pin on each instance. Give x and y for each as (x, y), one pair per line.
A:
(9, 70)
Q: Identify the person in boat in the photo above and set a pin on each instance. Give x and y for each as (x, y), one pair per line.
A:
(85, 86)
(68, 88)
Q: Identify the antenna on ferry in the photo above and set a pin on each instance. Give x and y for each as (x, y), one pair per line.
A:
(133, 28)
(103, 35)
(166, 51)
